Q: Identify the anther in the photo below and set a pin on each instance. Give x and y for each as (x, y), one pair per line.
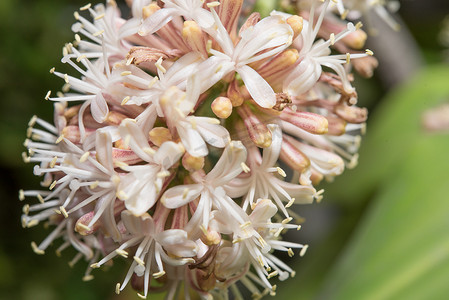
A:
(122, 253)
(117, 288)
(86, 7)
(84, 157)
(272, 274)
(245, 167)
(213, 4)
(52, 185)
(303, 250)
(139, 261)
(64, 212)
(159, 66)
(21, 195)
(125, 100)
(159, 274)
(36, 249)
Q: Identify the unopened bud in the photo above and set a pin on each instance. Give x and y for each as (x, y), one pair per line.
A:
(365, 65)
(222, 107)
(192, 163)
(234, 94)
(352, 114)
(194, 37)
(149, 10)
(115, 118)
(308, 121)
(159, 135)
(296, 23)
(294, 158)
(257, 130)
(355, 40)
(337, 126)
(278, 65)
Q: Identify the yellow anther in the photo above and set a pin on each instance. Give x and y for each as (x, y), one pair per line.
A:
(303, 250)
(21, 195)
(40, 198)
(281, 172)
(348, 58)
(52, 185)
(66, 78)
(153, 81)
(84, 157)
(122, 253)
(290, 252)
(286, 220)
(63, 211)
(98, 33)
(290, 203)
(26, 209)
(246, 224)
(213, 4)
(332, 38)
(99, 17)
(369, 52)
(94, 185)
(117, 288)
(272, 274)
(32, 223)
(95, 266)
(88, 277)
(81, 57)
(60, 138)
(159, 274)
(47, 96)
(245, 167)
(159, 66)
(149, 150)
(86, 7)
(52, 70)
(139, 261)
(126, 73)
(125, 100)
(36, 249)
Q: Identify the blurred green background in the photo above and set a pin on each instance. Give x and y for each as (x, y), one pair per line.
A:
(381, 231)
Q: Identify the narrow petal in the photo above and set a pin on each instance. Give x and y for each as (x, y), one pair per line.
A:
(257, 87)
(180, 195)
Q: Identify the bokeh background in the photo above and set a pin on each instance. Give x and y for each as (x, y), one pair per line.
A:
(382, 230)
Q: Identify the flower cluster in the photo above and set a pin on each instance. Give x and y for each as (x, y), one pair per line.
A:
(168, 148)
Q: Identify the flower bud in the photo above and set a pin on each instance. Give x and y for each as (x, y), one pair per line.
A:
(258, 131)
(222, 107)
(159, 135)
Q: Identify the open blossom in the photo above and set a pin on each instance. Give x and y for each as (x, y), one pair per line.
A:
(185, 142)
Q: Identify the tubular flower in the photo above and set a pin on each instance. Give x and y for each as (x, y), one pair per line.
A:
(154, 155)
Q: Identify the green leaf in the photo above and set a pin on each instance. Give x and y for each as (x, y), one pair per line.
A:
(401, 248)
(393, 128)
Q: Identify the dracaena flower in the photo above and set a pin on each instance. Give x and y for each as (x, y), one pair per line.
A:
(140, 162)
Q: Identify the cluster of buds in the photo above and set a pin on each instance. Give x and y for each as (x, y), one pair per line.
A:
(188, 137)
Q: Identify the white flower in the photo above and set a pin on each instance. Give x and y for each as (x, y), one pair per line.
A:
(189, 9)
(209, 189)
(267, 38)
(313, 55)
(155, 246)
(140, 188)
(261, 182)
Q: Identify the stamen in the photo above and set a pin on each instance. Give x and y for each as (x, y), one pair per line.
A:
(84, 157)
(245, 167)
(159, 274)
(125, 100)
(159, 65)
(281, 172)
(86, 7)
(213, 4)
(21, 195)
(139, 260)
(98, 33)
(303, 250)
(290, 252)
(36, 249)
(272, 274)
(64, 212)
(369, 52)
(126, 73)
(290, 203)
(122, 253)
(117, 288)
(88, 278)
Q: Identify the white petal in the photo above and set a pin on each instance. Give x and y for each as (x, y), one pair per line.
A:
(257, 87)
(192, 140)
(168, 154)
(99, 108)
(180, 195)
(137, 225)
(212, 133)
(157, 20)
(103, 147)
(137, 140)
(229, 165)
(271, 154)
